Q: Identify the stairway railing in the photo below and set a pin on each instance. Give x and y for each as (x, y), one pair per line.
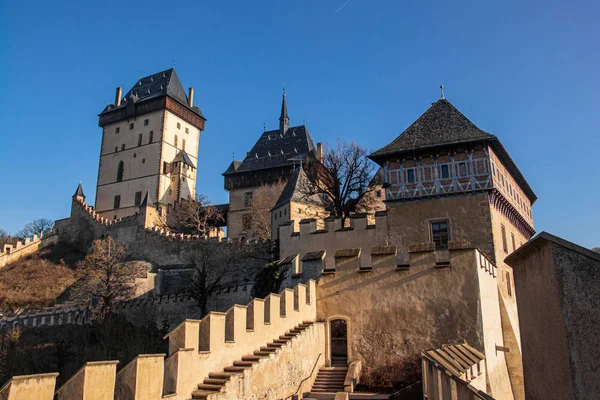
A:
(294, 396)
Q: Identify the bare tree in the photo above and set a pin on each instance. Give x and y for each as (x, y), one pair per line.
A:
(263, 200)
(37, 226)
(342, 180)
(219, 264)
(104, 278)
(4, 238)
(198, 216)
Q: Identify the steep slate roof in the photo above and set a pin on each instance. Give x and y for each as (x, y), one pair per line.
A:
(276, 149)
(293, 190)
(442, 124)
(183, 157)
(152, 86)
(232, 167)
(79, 191)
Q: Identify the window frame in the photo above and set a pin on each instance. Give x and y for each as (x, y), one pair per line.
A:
(447, 168)
(439, 245)
(504, 239)
(117, 202)
(137, 199)
(248, 199)
(407, 174)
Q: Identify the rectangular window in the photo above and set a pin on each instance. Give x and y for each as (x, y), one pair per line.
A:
(462, 169)
(247, 222)
(140, 138)
(117, 202)
(178, 125)
(151, 137)
(165, 168)
(248, 199)
(123, 146)
(504, 244)
(138, 198)
(183, 144)
(176, 140)
(187, 130)
(440, 234)
(116, 149)
(512, 237)
(145, 122)
(131, 126)
(378, 194)
(117, 129)
(445, 172)
(410, 175)
(508, 285)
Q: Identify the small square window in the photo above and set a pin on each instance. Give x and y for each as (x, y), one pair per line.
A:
(117, 129)
(131, 126)
(187, 130)
(445, 172)
(145, 122)
(138, 199)
(117, 202)
(440, 234)
(165, 167)
(178, 125)
(123, 146)
(378, 193)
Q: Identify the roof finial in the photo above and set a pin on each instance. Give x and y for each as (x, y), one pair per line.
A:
(233, 156)
(264, 126)
(284, 88)
(140, 74)
(304, 122)
(442, 92)
(173, 63)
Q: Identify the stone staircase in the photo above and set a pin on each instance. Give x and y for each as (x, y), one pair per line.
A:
(216, 381)
(330, 380)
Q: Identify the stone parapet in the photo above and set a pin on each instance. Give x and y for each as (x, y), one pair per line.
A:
(14, 251)
(196, 348)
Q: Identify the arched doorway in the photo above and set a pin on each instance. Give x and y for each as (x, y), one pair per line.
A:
(338, 334)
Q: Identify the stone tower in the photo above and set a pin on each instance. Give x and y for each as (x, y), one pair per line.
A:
(150, 141)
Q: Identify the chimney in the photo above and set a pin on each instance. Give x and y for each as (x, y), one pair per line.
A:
(118, 96)
(191, 97)
(320, 151)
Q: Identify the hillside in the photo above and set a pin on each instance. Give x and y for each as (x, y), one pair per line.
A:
(38, 280)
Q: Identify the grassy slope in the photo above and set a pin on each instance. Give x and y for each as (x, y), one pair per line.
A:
(38, 280)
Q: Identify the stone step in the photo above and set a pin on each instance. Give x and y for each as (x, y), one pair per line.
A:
(327, 380)
(243, 363)
(234, 369)
(221, 375)
(263, 353)
(251, 358)
(278, 345)
(286, 337)
(280, 341)
(213, 381)
(329, 390)
(268, 349)
(201, 394)
(320, 396)
(207, 387)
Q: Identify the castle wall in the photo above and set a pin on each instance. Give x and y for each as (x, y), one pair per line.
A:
(11, 253)
(468, 215)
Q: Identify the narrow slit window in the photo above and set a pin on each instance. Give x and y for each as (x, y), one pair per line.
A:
(410, 175)
(140, 138)
(444, 172)
(504, 243)
(117, 202)
(138, 198)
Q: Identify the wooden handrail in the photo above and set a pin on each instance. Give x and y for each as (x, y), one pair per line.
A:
(307, 378)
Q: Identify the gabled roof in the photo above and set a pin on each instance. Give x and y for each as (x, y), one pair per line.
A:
(235, 164)
(164, 83)
(441, 125)
(276, 149)
(295, 188)
(183, 157)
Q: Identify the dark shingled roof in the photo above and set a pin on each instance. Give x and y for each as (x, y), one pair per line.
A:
(152, 86)
(79, 191)
(294, 189)
(442, 124)
(276, 149)
(185, 158)
(232, 167)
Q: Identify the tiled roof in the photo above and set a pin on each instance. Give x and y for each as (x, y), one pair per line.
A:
(276, 149)
(185, 158)
(442, 124)
(295, 188)
(152, 86)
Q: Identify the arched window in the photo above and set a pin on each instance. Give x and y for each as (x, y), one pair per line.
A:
(120, 172)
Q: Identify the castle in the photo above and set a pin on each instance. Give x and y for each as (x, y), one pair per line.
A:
(426, 275)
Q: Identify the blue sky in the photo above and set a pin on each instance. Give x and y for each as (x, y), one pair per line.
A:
(524, 71)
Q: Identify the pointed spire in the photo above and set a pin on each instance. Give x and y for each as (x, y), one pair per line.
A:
(284, 120)
(79, 192)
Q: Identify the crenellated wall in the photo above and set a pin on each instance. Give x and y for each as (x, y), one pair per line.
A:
(12, 252)
(200, 347)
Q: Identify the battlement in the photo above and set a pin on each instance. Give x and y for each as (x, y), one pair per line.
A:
(196, 348)
(333, 225)
(63, 314)
(12, 252)
(101, 220)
